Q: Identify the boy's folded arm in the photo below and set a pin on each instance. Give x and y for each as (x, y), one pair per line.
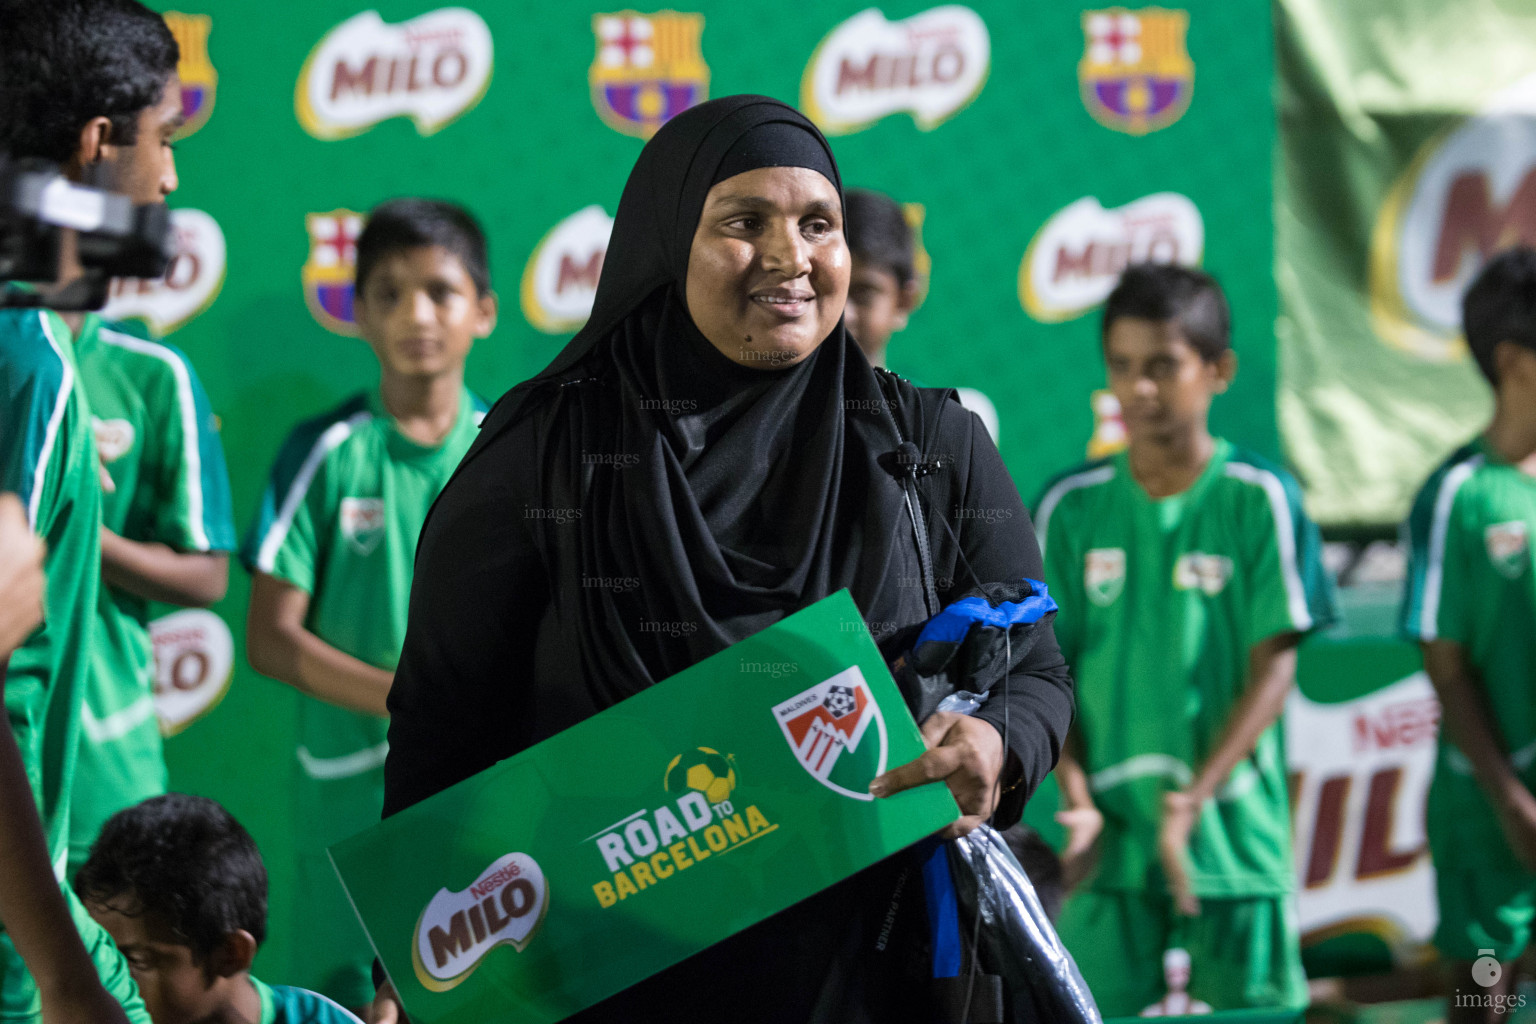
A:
(158, 572)
(1271, 673)
(279, 645)
(1464, 714)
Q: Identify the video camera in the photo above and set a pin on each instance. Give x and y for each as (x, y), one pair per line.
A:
(116, 238)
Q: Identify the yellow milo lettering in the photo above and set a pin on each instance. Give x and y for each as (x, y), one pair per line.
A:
(604, 893)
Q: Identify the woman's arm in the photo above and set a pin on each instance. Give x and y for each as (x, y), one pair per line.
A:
(997, 539)
(461, 689)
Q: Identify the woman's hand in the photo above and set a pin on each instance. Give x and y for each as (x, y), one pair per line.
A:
(965, 752)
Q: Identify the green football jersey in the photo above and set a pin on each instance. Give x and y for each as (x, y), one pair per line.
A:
(156, 434)
(281, 1004)
(1161, 602)
(48, 459)
(340, 519)
(1472, 579)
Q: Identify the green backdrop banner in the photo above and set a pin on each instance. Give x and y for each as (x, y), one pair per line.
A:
(1042, 145)
(1407, 142)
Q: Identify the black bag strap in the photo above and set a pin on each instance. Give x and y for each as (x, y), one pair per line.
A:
(909, 462)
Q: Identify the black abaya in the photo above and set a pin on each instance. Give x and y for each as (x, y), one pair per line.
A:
(647, 502)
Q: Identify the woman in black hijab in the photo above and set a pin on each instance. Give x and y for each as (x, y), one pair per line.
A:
(707, 456)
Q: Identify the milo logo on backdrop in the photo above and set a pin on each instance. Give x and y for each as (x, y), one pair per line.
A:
(191, 282)
(504, 906)
(194, 661)
(433, 69)
(931, 65)
(560, 280)
(1076, 257)
(699, 820)
(1469, 193)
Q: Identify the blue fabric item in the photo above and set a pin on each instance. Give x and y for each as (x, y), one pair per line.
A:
(943, 913)
(955, 620)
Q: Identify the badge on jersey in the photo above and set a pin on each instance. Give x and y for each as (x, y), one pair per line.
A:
(1197, 570)
(199, 80)
(114, 438)
(328, 273)
(826, 727)
(1136, 75)
(648, 69)
(1508, 545)
(1104, 575)
(362, 523)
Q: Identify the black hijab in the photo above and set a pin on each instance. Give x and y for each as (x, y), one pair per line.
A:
(716, 498)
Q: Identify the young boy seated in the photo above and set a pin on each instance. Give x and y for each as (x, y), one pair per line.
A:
(1187, 574)
(1471, 605)
(331, 552)
(180, 887)
(883, 290)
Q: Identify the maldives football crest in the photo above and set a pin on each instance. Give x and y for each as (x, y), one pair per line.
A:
(826, 727)
(198, 79)
(1136, 76)
(649, 68)
(1509, 546)
(328, 273)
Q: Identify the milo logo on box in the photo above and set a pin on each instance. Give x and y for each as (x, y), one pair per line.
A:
(650, 846)
(504, 906)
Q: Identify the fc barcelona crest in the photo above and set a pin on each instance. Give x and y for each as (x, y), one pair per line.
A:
(837, 733)
(649, 68)
(1509, 546)
(1136, 75)
(198, 79)
(329, 270)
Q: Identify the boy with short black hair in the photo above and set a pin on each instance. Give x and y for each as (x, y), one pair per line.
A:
(180, 886)
(92, 86)
(883, 289)
(332, 549)
(1187, 574)
(1471, 605)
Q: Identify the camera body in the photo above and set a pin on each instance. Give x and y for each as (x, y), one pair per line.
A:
(115, 237)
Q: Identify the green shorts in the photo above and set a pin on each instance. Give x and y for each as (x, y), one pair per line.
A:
(19, 1002)
(1487, 899)
(331, 954)
(1244, 953)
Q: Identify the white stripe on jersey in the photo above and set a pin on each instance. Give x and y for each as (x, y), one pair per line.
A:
(118, 724)
(55, 419)
(1139, 767)
(345, 765)
(1285, 537)
(266, 558)
(1434, 571)
(192, 455)
(1062, 488)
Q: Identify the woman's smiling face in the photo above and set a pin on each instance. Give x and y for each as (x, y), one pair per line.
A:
(769, 266)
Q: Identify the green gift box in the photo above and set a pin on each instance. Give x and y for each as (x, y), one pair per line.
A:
(648, 832)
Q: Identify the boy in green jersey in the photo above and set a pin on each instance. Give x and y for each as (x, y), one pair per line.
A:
(180, 886)
(90, 85)
(1187, 573)
(332, 549)
(167, 528)
(1471, 605)
(884, 290)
